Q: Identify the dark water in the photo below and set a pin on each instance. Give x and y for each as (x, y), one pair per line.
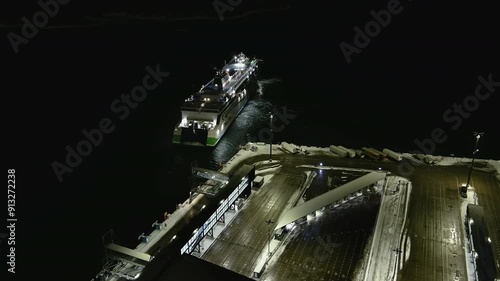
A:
(65, 80)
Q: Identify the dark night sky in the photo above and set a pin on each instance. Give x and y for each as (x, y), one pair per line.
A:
(65, 78)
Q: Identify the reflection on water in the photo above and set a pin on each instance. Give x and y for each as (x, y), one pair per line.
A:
(253, 117)
(264, 83)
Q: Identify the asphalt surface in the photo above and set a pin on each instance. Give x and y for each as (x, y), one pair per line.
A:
(434, 226)
(326, 247)
(434, 220)
(240, 244)
(346, 228)
(488, 191)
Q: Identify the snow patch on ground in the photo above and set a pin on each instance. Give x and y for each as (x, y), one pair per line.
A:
(471, 199)
(408, 249)
(334, 168)
(491, 164)
(381, 261)
(246, 152)
(292, 234)
(310, 175)
(386, 247)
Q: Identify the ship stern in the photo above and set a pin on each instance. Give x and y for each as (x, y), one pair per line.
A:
(197, 137)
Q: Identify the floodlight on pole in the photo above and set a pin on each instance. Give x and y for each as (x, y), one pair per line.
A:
(478, 135)
(269, 222)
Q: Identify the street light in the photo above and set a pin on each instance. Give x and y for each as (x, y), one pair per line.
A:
(478, 136)
(269, 222)
(271, 141)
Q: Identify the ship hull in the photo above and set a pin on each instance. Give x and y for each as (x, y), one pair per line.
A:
(208, 114)
(211, 138)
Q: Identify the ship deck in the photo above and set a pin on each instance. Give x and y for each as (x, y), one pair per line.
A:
(218, 97)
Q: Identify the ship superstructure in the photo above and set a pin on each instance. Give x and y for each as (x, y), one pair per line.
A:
(207, 114)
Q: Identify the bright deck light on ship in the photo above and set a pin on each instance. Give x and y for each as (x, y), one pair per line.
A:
(489, 240)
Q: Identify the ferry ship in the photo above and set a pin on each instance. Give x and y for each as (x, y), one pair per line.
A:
(208, 113)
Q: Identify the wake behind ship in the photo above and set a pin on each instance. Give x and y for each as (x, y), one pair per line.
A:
(208, 113)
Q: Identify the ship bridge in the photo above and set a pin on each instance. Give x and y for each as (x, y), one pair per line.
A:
(217, 93)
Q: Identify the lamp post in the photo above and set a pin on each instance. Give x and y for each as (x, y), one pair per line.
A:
(271, 141)
(478, 136)
(269, 222)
